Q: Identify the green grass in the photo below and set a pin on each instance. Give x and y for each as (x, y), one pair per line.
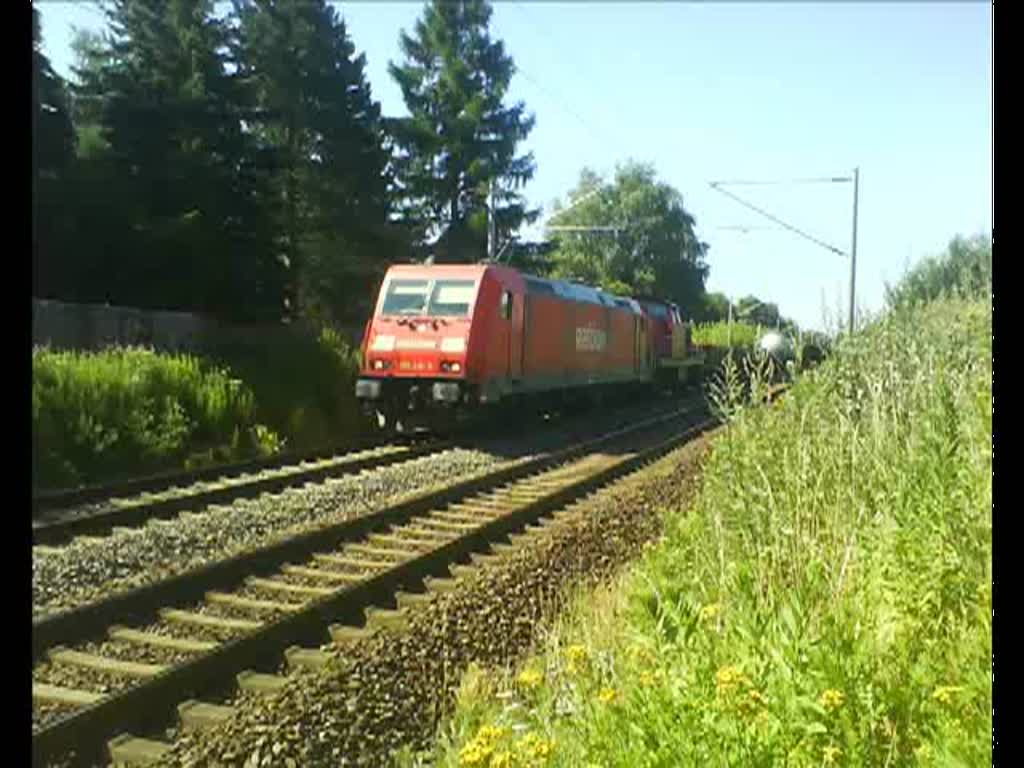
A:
(826, 600)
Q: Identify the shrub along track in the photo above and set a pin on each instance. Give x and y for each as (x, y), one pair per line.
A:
(58, 517)
(132, 678)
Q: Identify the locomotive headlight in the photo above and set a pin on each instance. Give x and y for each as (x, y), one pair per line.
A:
(383, 344)
(453, 344)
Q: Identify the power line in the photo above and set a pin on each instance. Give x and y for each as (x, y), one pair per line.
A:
(715, 185)
(812, 180)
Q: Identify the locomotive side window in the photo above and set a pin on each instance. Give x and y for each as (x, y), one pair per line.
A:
(506, 305)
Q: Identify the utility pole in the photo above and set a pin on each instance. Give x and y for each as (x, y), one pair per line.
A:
(717, 186)
(853, 250)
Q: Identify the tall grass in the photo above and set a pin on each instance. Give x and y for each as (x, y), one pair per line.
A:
(825, 601)
(98, 416)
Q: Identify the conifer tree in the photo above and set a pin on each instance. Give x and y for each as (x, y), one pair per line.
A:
(169, 118)
(460, 136)
(53, 147)
(320, 119)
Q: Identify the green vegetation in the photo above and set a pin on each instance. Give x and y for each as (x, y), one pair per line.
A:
(124, 412)
(102, 415)
(460, 134)
(719, 334)
(964, 269)
(825, 601)
(656, 251)
(303, 384)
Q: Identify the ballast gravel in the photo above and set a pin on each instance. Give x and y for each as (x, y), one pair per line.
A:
(87, 570)
(391, 690)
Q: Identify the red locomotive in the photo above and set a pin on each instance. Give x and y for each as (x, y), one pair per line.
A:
(444, 339)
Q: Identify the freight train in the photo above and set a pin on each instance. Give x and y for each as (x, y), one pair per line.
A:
(446, 340)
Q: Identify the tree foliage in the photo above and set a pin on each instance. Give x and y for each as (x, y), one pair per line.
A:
(316, 117)
(965, 269)
(177, 171)
(460, 135)
(53, 148)
(654, 250)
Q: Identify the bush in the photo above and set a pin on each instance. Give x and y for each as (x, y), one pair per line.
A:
(718, 334)
(827, 600)
(304, 384)
(104, 415)
(964, 269)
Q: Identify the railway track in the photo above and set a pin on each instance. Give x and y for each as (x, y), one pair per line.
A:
(124, 666)
(85, 513)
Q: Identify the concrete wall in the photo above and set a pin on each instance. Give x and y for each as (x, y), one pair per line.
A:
(94, 326)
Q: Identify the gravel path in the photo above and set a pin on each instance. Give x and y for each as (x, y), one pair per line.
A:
(83, 571)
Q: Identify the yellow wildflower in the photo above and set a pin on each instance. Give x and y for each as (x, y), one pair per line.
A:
(944, 693)
(502, 759)
(710, 612)
(489, 734)
(536, 747)
(832, 699)
(529, 679)
(923, 752)
(479, 749)
(607, 695)
(646, 679)
(475, 753)
(830, 753)
(577, 656)
(727, 678)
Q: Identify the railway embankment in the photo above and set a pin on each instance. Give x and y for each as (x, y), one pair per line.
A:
(384, 692)
(824, 599)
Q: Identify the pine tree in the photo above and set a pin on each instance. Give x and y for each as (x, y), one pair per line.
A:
(320, 119)
(169, 117)
(53, 149)
(459, 136)
(53, 144)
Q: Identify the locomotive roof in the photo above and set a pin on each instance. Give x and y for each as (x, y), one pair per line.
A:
(564, 288)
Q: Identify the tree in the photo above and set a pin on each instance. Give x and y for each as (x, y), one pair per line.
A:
(753, 310)
(459, 136)
(653, 250)
(964, 268)
(53, 139)
(318, 118)
(53, 150)
(169, 135)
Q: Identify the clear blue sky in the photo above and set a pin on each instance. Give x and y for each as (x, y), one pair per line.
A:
(743, 91)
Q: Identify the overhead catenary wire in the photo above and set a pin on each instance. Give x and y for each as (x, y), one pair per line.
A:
(716, 185)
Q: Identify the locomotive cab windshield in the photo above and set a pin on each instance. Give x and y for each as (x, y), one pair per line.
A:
(409, 297)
